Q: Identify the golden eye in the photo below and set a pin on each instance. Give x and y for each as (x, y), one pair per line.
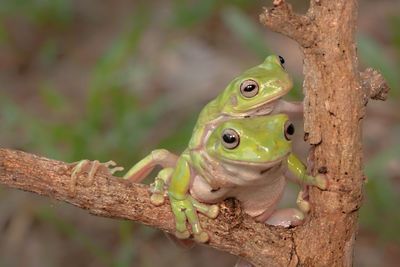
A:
(289, 130)
(230, 138)
(249, 88)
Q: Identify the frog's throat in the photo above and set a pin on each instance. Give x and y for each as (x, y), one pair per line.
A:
(210, 169)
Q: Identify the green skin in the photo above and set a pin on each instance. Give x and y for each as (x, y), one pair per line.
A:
(273, 82)
(252, 172)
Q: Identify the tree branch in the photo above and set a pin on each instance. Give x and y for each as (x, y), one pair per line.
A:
(282, 19)
(335, 96)
(374, 84)
(334, 106)
(109, 196)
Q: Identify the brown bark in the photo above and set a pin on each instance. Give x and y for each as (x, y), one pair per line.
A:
(334, 108)
(114, 197)
(335, 98)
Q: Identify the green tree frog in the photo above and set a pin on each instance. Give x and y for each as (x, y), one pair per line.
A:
(243, 158)
(256, 92)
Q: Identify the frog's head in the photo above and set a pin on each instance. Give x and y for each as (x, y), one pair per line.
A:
(251, 92)
(257, 140)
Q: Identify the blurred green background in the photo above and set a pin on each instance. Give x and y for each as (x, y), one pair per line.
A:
(116, 79)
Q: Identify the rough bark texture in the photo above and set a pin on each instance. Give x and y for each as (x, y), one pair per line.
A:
(114, 197)
(335, 98)
(334, 108)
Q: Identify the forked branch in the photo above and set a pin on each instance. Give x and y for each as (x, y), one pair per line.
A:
(282, 19)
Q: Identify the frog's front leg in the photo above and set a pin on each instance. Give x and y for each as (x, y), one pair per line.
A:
(157, 188)
(91, 167)
(283, 106)
(299, 170)
(184, 206)
(157, 157)
(304, 180)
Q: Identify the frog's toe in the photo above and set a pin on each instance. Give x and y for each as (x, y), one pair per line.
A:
(321, 181)
(303, 205)
(201, 237)
(78, 167)
(213, 211)
(157, 199)
(90, 167)
(182, 235)
(110, 168)
(302, 202)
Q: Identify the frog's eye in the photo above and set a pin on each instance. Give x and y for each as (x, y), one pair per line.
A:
(289, 130)
(282, 60)
(249, 88)
(230, 138)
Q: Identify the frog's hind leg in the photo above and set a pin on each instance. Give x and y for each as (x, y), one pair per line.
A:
(157, 157)
(92, 167)
(302, 200)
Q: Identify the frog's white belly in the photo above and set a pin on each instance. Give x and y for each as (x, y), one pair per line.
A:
(258, 192)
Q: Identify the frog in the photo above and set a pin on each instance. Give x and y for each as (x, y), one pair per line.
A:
(246, 158)
(257, 92)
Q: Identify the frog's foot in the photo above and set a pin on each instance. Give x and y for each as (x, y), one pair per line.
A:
(158, 192)
(158, 188)
(186, 209)
(319, 181)
(91, 167)
(302, 202)
(286, 217)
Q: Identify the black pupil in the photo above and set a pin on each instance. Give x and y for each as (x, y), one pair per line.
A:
(249, 87)
(290, 129)
(229, 138)
(282, 60)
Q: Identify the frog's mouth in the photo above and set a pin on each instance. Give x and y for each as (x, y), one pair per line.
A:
(264, 166)
(273, 168)
(263, 108)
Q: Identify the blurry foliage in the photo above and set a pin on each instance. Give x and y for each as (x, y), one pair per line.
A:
(380, 211)
(53, 13)
(49, 216)
(115, 124)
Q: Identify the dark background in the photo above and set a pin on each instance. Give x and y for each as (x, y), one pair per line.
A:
(116, 79)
